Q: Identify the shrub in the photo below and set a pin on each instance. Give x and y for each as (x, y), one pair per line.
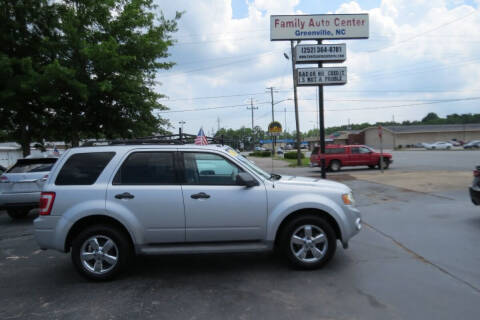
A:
(262, 154)
(293, 155)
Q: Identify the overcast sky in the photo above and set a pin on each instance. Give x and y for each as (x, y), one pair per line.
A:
(420, 53)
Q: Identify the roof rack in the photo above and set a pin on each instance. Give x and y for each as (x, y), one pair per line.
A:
(173, 139)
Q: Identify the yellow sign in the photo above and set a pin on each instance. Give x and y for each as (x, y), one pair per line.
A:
(275, 128)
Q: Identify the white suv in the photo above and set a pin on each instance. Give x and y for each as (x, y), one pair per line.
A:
(104, 204)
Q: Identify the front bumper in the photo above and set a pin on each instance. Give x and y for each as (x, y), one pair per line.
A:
(19, 200)
(475, 196)
(353, 225)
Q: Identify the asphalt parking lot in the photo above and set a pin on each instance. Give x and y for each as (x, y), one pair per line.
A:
(416, 258)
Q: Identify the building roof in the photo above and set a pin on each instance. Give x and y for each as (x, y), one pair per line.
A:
(432, 128)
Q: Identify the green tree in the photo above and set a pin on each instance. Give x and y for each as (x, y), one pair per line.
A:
(430, 117)
(27, 29)
(73, 69)
(103, 79)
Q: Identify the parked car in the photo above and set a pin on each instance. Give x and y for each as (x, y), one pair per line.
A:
(439, 145)
(455, 143)
(280, 150)
(20, 186)
(338, 156)
(475, 188)
(475, 144)
(260, 149)
(103, 204)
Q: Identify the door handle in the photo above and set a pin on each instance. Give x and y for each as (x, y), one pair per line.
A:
(201, 195)
(124, 195)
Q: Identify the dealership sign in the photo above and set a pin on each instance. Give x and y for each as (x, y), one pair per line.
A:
(321, 76)
(319, 26)
(308, 53)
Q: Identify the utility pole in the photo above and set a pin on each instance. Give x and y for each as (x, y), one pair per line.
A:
(252, 108)
(273, 119)
(322, 125)
(297, 120)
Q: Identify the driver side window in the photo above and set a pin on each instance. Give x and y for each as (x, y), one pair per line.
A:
(209, 169)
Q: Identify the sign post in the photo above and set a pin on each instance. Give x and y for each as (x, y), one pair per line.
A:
(275, 130)
(380, 135)
(318, 27)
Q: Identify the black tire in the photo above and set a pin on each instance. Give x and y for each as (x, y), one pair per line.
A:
(386, 164)
(17, 213)
(371, 166)
(286, 248)
(335, 165)
(123, 250)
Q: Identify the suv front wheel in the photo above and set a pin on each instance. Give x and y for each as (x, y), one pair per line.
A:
(101, 252)
(308, 242)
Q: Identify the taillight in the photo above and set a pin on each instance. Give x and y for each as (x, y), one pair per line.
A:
(3, 179)
(46, 203)
(476, 173)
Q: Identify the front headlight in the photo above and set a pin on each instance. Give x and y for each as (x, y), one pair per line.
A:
(348, 199)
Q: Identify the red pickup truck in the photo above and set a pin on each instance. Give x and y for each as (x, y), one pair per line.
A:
(337, 156)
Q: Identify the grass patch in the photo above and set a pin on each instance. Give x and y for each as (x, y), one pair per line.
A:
(293, 162)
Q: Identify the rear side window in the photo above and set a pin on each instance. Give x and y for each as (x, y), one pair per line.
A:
(83, 168)
(29, 165)
(334, 150)
(147, 168)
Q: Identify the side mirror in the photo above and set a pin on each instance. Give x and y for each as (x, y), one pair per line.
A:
(245, 179)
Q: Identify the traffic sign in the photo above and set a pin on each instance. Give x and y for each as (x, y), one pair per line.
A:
(309, 53)
(321, 76)
(319, 26)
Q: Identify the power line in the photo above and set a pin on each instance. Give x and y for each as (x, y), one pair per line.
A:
(208, 108)
(423, 33)
(215, 97)
(169, 74)
(399, 106)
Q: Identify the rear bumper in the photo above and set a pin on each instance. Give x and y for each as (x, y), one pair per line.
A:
(19, 200)
(475, 196)
(46, 233)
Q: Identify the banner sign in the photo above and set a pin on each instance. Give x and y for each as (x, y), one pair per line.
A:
(308, 53)
(319, 26)
(321, 76)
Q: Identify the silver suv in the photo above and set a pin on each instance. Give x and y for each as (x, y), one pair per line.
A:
(105, 204)
(20, 186)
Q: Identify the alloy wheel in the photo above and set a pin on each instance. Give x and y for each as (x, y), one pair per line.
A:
(309, 243)
(99, 254)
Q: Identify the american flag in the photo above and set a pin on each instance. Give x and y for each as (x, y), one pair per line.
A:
(201, 139)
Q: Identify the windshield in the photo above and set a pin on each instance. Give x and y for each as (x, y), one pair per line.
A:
(248, 163)
(32, 165)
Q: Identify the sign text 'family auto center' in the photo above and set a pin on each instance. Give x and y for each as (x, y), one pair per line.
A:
(319, 26)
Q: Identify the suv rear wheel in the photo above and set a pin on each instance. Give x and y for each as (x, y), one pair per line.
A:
(308, 242)
(101, 252)
(17, 213)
